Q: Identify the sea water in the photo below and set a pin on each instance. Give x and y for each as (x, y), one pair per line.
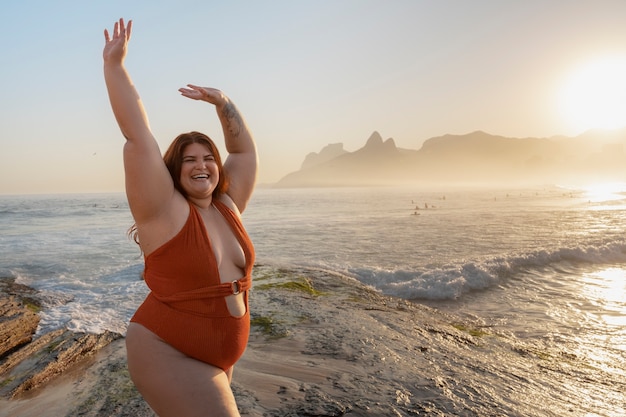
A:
(545, 265)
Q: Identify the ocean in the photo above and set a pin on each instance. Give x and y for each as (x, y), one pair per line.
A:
(545, 265)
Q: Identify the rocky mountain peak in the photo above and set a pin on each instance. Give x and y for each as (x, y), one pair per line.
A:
(327, 153)
(374, 141)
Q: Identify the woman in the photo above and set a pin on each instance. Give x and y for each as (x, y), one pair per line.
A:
(184, 339)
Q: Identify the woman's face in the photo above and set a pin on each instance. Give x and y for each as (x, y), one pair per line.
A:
(199, 173)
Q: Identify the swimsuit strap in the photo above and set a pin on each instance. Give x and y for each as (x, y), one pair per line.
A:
(227, 288)
(240, 233)
(221, 290)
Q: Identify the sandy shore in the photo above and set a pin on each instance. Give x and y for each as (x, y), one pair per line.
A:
(321, 345)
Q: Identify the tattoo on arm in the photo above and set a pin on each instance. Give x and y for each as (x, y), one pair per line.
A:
(234, 122)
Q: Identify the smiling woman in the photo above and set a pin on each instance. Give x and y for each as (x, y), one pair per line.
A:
(594, 95)
(194, 324)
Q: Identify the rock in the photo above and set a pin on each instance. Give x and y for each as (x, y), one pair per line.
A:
(18, 324)
(48, 357)
(105, 388)
(27, 362)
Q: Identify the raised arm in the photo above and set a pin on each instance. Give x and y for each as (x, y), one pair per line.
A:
(242, 160)
(148, 183)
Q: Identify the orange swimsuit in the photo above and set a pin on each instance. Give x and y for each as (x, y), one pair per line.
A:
(186, 306)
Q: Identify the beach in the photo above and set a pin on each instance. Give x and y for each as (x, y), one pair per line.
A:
(489, 302)
(323, 344)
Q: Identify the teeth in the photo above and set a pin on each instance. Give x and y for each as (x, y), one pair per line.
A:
(196, 177)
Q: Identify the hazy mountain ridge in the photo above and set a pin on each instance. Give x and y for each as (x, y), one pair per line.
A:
(327, 153)
(473, 158)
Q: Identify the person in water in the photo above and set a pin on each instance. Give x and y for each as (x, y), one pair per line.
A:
(184, 340)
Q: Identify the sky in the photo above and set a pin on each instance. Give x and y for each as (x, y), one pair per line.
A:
(303, 74)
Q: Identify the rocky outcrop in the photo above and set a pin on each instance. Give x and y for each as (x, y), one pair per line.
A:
(27, 360)
(18, 316)
(322, 344)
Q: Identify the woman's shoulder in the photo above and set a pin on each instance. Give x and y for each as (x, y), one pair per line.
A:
(159, 229)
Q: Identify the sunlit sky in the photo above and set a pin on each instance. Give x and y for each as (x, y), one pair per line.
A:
(304, 74)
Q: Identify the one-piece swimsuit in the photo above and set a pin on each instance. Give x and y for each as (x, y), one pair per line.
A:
(186, 306)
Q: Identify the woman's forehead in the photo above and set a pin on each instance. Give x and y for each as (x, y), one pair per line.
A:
(196, 149)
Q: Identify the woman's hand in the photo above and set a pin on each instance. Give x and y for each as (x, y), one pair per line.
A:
(115, 47)
(210, 95)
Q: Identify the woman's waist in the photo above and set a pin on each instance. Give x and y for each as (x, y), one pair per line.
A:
(167, 291)
(202, 308)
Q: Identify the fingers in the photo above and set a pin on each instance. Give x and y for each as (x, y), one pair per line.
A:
(208, 94)
(196, 87)
(205, 91)
(193, 93)
(124, 31)
(120, 30)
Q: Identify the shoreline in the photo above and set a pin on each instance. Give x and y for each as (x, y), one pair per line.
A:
(284, 370)
(322, 344)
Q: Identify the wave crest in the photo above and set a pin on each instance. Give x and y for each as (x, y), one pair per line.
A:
(452, 281)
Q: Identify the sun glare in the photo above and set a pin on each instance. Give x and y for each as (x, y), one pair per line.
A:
(594, 95)
(608, 288)
(606, 191)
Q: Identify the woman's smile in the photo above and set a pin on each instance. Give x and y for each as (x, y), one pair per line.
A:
(199, 168)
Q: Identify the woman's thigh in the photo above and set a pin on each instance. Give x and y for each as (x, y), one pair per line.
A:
(174, 384)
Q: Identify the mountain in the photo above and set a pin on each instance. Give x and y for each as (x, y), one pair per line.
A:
(326, 154)
(473, 158)
(378, 162)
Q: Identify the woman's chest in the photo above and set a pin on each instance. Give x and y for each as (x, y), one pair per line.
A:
(229, 255)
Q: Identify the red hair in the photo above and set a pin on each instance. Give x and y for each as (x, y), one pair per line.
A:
(173, 159)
